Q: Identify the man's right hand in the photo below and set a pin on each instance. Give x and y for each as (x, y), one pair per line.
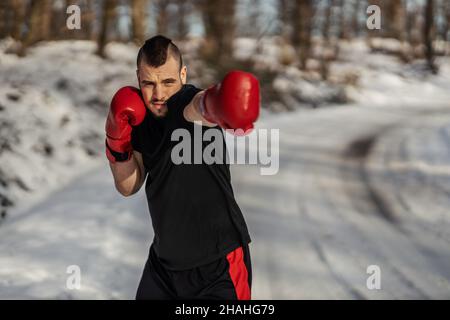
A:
(127, 109)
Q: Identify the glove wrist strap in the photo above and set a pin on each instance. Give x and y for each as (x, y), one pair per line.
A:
(114, 156)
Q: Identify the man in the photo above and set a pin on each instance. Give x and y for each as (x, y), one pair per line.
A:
(200, 247)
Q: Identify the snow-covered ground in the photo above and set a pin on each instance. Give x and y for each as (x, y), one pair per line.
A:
(85, 224)
(340, 204)
(361, 184)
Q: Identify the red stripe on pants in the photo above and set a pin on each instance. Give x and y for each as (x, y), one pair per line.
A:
(239, 274)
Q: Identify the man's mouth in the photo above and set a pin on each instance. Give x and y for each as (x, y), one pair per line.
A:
(158, 106)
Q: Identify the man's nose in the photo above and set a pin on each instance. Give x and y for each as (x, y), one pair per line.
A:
(158, 94)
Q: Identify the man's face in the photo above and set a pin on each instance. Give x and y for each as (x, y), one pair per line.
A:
(158, 84)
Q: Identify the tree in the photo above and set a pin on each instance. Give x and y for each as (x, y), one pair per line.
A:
(428, 35)
(327, 53)
(45, 11)
(445, 11)
(109, 15)
(355, 25)
(327, 19)
(162, 16)
(12, 18)
(219, 23)
(182, 27)
(87, 19)
(284, 18)
(343, 28)
(301, 29)
(38, 24)
(138, 19)
(395, 14)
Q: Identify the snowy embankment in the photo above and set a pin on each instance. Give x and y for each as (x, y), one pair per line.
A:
(53, 103)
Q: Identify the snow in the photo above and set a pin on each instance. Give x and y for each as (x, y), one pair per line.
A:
(316, 225)
(359, 184)
(86, 224)
(399, 83)
(52, 102)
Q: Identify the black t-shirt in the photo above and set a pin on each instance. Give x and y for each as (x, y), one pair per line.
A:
(194, 214)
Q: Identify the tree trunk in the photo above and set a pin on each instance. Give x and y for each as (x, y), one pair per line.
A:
(395, 19)
(138, 19)
(428, 35)
(446, 20)
(182, 25)
(17, 16)
(301, 29)
(34, 27)
(327, 20)
(219, 23)
(87, 20)
(355, 21)
(57, 23)
(343, 32)
(163, 17)
(325, 48)
(46, 16)
(109, 14)
(285, 19)
(4, 13)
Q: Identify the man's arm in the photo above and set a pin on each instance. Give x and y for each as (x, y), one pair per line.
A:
(193, 113)
(233, 103)
(129, 176)
(126, 110)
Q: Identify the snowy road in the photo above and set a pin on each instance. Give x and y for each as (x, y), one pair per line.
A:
(347, 196)
(326, 217)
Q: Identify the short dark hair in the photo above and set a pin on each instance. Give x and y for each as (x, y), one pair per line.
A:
(156, 49)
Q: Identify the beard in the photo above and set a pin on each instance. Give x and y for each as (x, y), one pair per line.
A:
(159, 115)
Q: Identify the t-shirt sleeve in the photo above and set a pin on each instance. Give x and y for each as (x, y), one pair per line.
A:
(178, 102)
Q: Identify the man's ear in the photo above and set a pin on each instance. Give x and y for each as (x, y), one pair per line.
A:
(183, 75)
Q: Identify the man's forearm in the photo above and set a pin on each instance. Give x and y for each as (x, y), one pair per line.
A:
(193, 110)
(127, 176)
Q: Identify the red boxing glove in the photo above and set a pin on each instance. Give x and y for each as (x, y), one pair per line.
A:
(127, 109)
(234, 103)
